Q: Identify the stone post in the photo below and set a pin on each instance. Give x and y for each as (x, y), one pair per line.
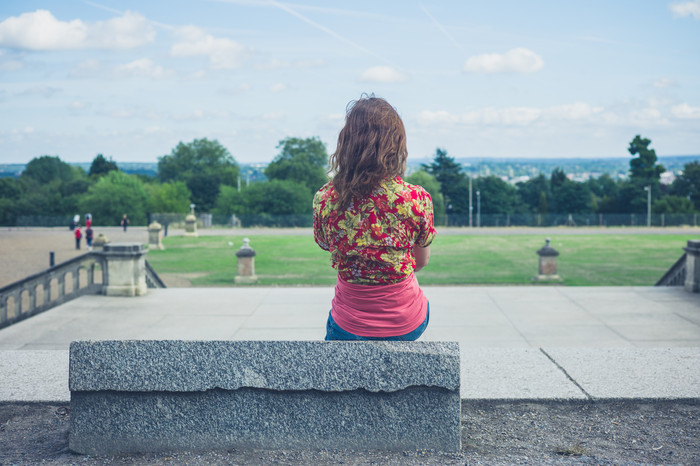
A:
(547, 271)
(692, 266)
(191, 223)
(246, 264)
(125, 269)
(191, 226)
(155, 236)
(99, 243)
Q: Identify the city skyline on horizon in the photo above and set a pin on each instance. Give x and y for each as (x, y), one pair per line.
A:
(541, 80)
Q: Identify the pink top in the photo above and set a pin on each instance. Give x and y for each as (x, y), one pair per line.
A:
(379, 310)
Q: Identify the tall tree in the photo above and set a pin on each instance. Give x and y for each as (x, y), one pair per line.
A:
(644, 171)
(204, 166)
(643, 166)
(301, 160)
(101, 166)
(453, 182)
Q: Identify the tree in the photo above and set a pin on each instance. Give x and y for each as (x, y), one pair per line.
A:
(497, 196)
(301, 160)
(114, 195)
(535, 194)
(101, 166)
(166, 198)
(453, 183)
(432, 185)
(204, 166)
(673, 205)
(644, 171)
(644, 168)
(687, 184)
(274, 202)
(47, 168)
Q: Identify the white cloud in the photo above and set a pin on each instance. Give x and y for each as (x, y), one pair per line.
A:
(40, 30)
(686, 112)
(520, 60)
(273, 116)
(664, 83)
(77, 105)
(276, 64)
(383, 74)
(278, 87)
(142, 68)
(42, 91)
(575, 111)
(511, 116)
(222, 53)
(683, 9)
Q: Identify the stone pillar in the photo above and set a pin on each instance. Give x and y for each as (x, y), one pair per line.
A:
(547, 271)
(692, 266)
(100, 242)
(125, 269)
(191, 225)
(155, 236)
(246, 264)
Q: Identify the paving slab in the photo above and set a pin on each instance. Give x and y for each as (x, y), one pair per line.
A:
(513, 374)
(664, 373)
(599, 336)
(34, 376)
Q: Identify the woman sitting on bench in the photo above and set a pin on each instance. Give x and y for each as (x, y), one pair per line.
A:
(377, 227)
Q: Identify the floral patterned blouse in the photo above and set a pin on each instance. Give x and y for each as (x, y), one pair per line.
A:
(372, 241)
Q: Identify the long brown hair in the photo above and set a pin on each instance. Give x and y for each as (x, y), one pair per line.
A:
(371, 147)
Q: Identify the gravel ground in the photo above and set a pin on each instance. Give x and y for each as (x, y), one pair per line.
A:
(493, 432)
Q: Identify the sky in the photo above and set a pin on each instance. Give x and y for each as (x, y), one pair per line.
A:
(504, 78)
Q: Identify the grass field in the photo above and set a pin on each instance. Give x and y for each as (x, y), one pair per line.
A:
(584, 260)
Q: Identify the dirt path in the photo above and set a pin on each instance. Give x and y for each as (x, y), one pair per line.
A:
(494, 432)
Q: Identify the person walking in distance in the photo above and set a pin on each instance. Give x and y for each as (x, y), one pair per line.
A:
(125, 222)
(78, 235)
(88, 237)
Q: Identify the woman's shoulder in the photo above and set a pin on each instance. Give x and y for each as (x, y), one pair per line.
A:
(402, 185)
(325, 192)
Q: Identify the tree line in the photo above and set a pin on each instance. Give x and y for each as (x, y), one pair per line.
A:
(203, 172)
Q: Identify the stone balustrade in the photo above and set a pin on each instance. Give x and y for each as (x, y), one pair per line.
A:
(39, 292)
(120, 269)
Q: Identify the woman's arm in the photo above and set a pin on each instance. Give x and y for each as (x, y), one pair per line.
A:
(422, 256)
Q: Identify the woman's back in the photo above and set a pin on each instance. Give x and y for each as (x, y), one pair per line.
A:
(371, 242)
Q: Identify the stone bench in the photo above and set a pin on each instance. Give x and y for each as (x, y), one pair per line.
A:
(151, 396)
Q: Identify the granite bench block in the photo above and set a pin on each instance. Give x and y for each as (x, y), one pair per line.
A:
(146, 396)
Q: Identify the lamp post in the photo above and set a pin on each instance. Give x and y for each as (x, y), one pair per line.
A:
(478, 209)
(648, 190)
(471, 207)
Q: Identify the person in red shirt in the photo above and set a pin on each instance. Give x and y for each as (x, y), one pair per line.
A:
(78, 235)
(377, 227)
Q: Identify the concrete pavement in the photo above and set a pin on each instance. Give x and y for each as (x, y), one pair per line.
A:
(530, 342)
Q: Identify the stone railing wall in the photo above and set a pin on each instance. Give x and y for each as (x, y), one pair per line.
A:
(120, 269)
(39, 292)
(675, 276)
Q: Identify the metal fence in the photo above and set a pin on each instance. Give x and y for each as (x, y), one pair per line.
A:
(483, 220)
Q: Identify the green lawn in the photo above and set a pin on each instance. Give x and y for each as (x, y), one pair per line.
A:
(584, 260)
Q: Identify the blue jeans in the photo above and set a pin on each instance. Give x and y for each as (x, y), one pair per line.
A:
(334, 332)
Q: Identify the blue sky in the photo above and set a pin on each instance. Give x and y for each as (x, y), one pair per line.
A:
(130, 79)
